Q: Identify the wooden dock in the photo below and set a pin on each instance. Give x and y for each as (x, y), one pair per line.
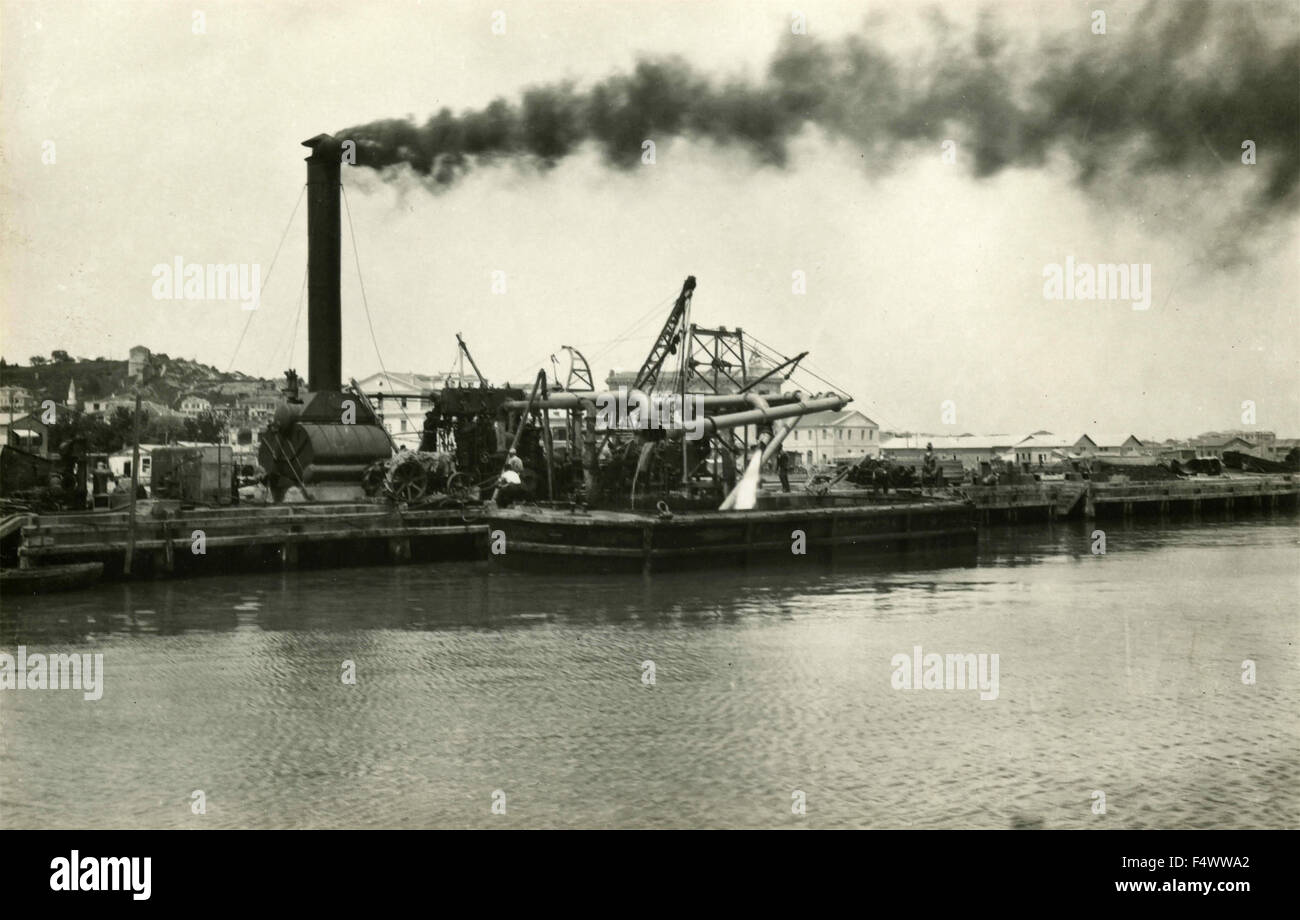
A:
(198, 541)
(1045, 501)
(1216, 493)
(253, 537)
(1038, 501)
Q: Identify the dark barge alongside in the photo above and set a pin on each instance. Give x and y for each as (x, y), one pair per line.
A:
(626, 540)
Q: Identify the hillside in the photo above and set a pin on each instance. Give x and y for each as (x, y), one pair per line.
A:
(166, 379)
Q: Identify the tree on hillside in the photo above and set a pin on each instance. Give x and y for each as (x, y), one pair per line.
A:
(207, 427)
(37, 361)
(59, 356)
(77, 434)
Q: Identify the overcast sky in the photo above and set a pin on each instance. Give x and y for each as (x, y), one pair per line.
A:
(924, 283)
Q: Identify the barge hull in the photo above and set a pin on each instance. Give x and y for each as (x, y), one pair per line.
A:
(625, 540)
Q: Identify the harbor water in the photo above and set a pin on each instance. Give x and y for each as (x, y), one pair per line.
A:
(482, 697)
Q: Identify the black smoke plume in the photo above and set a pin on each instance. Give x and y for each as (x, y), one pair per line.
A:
(1175, 89)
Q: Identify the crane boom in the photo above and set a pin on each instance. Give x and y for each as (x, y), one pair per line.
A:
(666, 343)
(465, 349)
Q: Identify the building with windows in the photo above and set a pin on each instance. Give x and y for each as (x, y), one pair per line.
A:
(1280, 448)
(193, 405)
(970, 449)
(1042, 448)
(258, 407)
(1214, 446)
(107, 405)
(400, 401)
(119, 463)
(1109, 445)
(825, 438)
(15, 399)
(25, 432)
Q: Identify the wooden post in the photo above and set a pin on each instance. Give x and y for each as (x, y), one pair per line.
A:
(135, 479)
(169, 553)
(647, 548)
(399, 549)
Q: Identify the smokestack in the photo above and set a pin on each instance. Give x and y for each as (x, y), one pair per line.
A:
(324, 321)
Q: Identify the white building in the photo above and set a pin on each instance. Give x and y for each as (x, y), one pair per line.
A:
(194, 405)
(400, 400)
(107, 405)
(1108, 445)
(15, 399)
(258, 407)
(970, 449)
(1043, 448)
(822, 438)
(120, 463)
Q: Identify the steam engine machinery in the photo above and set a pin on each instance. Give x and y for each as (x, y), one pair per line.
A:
(322, 442)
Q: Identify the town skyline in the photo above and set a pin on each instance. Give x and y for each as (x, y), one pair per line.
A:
(220, 381)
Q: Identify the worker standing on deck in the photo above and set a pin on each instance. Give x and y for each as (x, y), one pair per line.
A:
(783, 470)
(510, 486)
(99, 485)
(930, 467)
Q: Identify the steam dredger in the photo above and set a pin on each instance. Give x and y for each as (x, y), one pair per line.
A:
(604, 492)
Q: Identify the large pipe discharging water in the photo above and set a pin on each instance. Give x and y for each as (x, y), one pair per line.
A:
(745, 495)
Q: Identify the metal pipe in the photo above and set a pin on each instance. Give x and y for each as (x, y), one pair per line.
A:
(716, 423)
(566, 400)
(769, 448)
(775, 444)
(465, 351)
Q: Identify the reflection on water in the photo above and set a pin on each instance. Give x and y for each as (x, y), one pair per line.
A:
(1119, 673)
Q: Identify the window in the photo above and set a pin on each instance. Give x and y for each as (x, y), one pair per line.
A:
(403, 424)
(403, 406)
